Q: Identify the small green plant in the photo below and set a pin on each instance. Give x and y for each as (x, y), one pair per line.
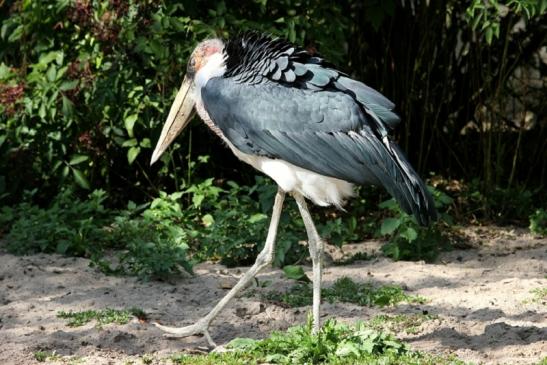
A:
(538, 222)
(408, 240)
(41, 356)
(154, 240)
(296, 273)
(336, 344)
(69, 226)
(539, 296)
(400, 322)
(344, 290)
(103, 317)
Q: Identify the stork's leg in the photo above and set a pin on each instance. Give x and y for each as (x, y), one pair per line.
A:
(264, 258)
(315, 244)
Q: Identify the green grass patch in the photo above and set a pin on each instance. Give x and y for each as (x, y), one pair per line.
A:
(344, 290)
(336, 344)
(408, 323)
(539, 295)
(103, 317)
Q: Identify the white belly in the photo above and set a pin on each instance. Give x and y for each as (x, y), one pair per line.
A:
(322, 190)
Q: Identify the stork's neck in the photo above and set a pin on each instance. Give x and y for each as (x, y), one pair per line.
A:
(215, 67)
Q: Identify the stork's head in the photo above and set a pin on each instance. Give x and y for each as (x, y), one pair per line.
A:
(206, 61)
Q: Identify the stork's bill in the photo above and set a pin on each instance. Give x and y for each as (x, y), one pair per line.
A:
(180, 114)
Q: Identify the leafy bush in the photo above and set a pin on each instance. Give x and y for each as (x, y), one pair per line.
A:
(154, 243)
(149, 241)
(538, 222)
(69, 226)
(333, 343)
(85, 86)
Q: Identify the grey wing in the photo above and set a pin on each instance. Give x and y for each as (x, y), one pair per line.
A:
(326, 132)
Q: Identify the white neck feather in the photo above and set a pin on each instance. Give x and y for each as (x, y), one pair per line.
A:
(214, 67)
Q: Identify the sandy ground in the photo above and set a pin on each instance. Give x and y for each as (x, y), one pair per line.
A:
(481, 296)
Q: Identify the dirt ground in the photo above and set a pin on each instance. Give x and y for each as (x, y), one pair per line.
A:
(481, 296)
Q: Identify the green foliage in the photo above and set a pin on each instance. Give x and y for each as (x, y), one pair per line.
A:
(103, 317)
(235, 223)
(42, 356)
(335, 344)
(154, 242)
(539, 296)
(69, 226)
(410, 241)
(398, 323)
(344, 290)
(485, 16)
(149, 242)
(296, 273)
(538, 222)
(84, 86)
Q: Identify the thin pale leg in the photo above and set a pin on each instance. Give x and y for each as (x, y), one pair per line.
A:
(315, 244)
(264, 259)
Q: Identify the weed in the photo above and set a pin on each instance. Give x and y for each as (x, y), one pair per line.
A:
(147, 359)
(538, 222)
(155, 240)
(344, 290)
(41, 356)
(539, 296)
(335, 343)
(400, 322)
(69, 226)
(408, 240)
(103, 317)
(358, 256)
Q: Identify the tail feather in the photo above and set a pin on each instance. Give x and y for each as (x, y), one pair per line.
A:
(408, 188)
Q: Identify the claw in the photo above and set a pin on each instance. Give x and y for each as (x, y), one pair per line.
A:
(198, 328)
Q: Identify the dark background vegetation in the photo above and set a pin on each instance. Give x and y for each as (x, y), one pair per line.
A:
(86, 85)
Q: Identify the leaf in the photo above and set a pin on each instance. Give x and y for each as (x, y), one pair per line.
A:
(390, 204)
(207, 220)
(76, 159)
(367, 346)
(80, 178)
(257, 218)
(347, 349)
(242, 343)
(409, 234)
(129, 123)
(145, 143)
(489, 34)
(132, 154)
(130, 143)
(389, 225)
(197, 199)
(51, 73)
(68, 107)
(15, 34)
(296, 272)
(69, 85)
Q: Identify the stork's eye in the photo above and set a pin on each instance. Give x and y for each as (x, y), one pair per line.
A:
(192, 63)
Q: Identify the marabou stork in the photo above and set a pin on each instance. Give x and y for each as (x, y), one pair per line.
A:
(311, 128)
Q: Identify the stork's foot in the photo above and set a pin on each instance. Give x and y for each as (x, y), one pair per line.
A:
(201, 327)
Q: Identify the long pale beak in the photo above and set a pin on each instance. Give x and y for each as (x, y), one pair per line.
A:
(180, 114)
